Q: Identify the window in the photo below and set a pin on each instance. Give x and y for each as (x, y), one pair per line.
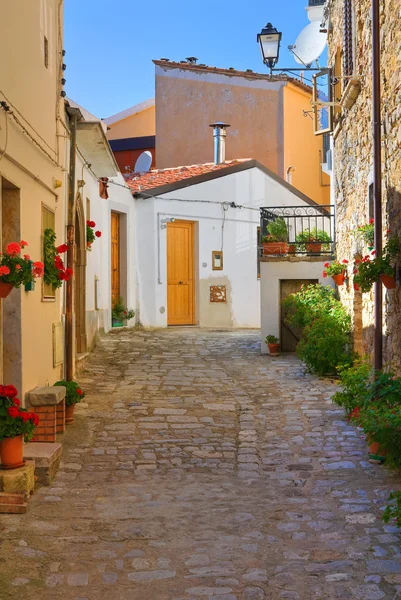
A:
(48, 222)
(371, 210)
(46, 51)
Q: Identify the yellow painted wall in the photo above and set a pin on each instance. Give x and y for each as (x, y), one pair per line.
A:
(141, 124)
(302, 149)
(34, 93)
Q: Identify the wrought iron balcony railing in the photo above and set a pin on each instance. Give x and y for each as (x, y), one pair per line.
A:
(301, 229)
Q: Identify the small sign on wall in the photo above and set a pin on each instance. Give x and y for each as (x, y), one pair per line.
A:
(217, 260)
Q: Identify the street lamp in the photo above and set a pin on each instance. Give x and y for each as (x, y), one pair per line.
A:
(269, 39)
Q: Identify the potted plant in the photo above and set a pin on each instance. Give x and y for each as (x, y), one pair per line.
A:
(17, 270)
(276, 240)
(55, 271)
(120, 313)
(74, 394)
(17, 426)
(336, 270)
(313, 241)
(273, 343)
(292, 248)
(91, 234)
(367, 233)
(371, 268)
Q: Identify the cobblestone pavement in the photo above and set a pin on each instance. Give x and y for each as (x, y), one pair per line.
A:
(198, 469)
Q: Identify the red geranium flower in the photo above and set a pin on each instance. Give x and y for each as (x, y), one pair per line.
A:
(98, 233)
(356, 287)
(35, 419)
(79, 392)
(345, 261)
(4, 270)
(13, 249)
(371, 221)
(38, 269)
(17, 402)
(18, 267)
(13, 411)
(324, 274)
(69, 272)
(357, 261)
(327, 264)
(23, 244)
(373, 252)
(27, 257)
(92, 224)
(9, 391)
(61, 249)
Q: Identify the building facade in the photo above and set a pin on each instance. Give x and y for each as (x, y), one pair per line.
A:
(350, 57)
(33, 180)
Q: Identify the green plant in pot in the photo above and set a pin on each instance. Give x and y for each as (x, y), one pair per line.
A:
(120, 313)
(74, 394)
(313, 241)
(16, 426)
(273, 343)
(371, 268)
(276, 240)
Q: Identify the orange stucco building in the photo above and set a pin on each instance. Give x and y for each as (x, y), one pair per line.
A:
(268, 117)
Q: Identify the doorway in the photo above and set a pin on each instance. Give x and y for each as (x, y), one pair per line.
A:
(80, 279)
(180, 273)
(290, 336)
(115, 258)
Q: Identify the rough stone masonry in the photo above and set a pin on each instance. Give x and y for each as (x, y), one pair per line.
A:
(198, 469)
(353, 153)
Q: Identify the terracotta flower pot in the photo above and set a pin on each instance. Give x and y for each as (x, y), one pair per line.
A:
(274, 349)
(12, 452)
(314, 247)
(388, 281)
(339, 278)
(376, 452)
(69, 414)
(275, 247)
(5, 289)
(292, 249)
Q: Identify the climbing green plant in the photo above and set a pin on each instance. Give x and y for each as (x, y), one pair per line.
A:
(54, 270)
(325, 343)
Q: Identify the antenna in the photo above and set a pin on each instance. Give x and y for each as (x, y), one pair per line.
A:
(143, 162)
(310, 44)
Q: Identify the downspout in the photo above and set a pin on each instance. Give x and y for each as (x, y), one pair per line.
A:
(377, 179)
(69, 325)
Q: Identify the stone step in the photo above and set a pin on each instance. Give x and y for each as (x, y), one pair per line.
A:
(47, 457)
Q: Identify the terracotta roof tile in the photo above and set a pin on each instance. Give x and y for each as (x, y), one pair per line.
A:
(139, 182)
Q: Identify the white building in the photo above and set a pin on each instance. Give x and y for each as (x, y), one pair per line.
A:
(197, 231)
(107, 270)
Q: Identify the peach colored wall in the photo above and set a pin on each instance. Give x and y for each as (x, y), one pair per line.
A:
(187, 105)
(141, 124)
(34, 91)
(302, 148)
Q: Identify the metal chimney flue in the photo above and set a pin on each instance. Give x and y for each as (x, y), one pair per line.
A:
(219, 134)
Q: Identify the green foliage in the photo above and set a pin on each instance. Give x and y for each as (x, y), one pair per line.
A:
(120, 312)
(354, 383)
(51, 275)
(312, 236)
(16, 269)
(325, 343)
(276, 231)
(74, 393)
(367, 233)
(393, 511)
(90, 234)
(368, 270)
(335, 268)
(272, 339)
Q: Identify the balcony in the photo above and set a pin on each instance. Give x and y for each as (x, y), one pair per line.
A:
(306, 231)
(316, 2)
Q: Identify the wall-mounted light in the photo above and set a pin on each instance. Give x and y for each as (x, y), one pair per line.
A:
(165, 221)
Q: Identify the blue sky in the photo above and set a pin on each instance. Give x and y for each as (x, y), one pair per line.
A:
(111, 43)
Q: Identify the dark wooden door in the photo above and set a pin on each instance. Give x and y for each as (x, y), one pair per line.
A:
(290, 335)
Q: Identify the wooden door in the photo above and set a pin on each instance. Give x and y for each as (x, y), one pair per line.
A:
(115, 257)
(180, 273)
(290, 336)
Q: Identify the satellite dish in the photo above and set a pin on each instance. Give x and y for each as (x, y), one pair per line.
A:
(144, 162)
(310, 44)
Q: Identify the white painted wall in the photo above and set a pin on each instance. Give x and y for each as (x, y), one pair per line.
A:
(251, 188)
(99, 258)
(271, 273)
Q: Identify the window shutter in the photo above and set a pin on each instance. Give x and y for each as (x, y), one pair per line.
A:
(348, 57)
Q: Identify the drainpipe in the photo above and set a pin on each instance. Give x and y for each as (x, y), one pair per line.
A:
(219, 134)
(377, 178)
(69, 332)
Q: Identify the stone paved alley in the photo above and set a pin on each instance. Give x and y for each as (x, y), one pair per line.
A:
(200, 470)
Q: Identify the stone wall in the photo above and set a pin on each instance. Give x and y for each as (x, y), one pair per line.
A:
(353, 161)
